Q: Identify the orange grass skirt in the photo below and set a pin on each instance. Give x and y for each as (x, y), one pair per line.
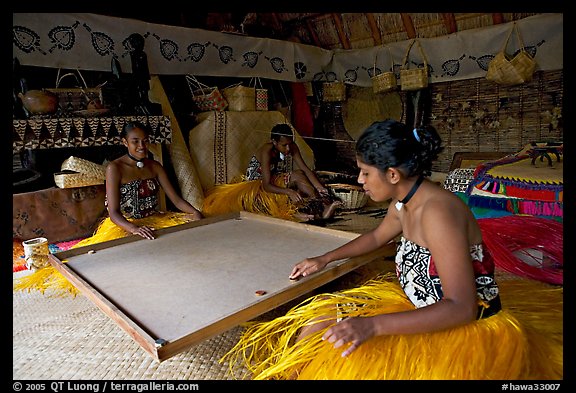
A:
(523, 341)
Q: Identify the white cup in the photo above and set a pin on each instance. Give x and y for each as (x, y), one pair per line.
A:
(36, 253)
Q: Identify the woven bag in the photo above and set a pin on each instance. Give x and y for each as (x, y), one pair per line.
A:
(509, 71)
(240, 98)
(206, 98)
(333, 91)
(415, 78)
(385, 81)
(261, 94)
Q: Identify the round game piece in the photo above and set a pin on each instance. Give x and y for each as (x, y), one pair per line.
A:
(260, 293)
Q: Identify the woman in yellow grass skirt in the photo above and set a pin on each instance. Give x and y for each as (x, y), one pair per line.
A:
(133, 183)
(443, 316)
(272, 187)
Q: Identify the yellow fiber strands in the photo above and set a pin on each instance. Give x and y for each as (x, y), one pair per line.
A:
(505, 346)
(48, 278)
(248, 196)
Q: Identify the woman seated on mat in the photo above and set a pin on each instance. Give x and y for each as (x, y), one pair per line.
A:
(439, 318)
(133, 183)
(273, 187)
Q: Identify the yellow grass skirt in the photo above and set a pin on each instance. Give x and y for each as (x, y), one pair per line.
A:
(248, 196)
(523, 341)
(48, 278)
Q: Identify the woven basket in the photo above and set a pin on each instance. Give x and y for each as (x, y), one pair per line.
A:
(511, 71)
(384, 82)
(71, 179)
(240, 98)
(333, 92)
(206, 98)
(415, 78)
(78, 172)
(329, 177)
(353, 197)
(76, 98)
(85, 167)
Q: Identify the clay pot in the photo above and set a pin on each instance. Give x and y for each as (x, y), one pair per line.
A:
(39, 102)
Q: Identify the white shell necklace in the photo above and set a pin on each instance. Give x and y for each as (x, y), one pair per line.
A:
(139, 163)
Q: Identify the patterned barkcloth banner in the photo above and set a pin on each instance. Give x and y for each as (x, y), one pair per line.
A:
(90, 41)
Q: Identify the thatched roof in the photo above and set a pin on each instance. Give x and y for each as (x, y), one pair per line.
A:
(333, 30)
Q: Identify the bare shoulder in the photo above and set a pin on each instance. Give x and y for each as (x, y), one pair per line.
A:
(443, 205)
(263, 151)
(114, 166)
(155, 166)
(265, 148)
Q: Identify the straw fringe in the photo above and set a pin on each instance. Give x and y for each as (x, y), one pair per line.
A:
(509, 234)
(513, 344)
(248, 196)
(49, 278)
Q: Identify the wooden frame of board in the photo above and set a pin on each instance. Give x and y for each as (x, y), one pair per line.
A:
(200, 279)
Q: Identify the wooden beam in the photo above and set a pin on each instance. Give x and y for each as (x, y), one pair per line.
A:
(340, 30)
(408, 25)
(277, 24)
(312, 32)
(450, 22)
(376, 32)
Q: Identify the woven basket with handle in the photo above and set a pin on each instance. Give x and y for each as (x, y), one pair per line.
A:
(385, 81)
(240, 98)
(414, 78)
(508, 71)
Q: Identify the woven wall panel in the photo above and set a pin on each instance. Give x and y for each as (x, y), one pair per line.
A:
(478, 115)
(474, 115)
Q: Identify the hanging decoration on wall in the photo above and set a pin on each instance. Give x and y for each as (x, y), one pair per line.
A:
(89, 42)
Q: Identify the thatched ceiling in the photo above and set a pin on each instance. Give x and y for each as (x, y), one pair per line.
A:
(332, 30)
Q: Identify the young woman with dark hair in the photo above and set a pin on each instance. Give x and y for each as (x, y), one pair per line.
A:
(133, 184)
(439, 317)
(277, 183)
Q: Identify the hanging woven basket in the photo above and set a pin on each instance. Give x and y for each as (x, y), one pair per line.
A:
(333, 92)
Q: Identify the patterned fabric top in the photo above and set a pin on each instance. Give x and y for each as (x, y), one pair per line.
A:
(139, 198)
(278, 164)
(419, 279)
